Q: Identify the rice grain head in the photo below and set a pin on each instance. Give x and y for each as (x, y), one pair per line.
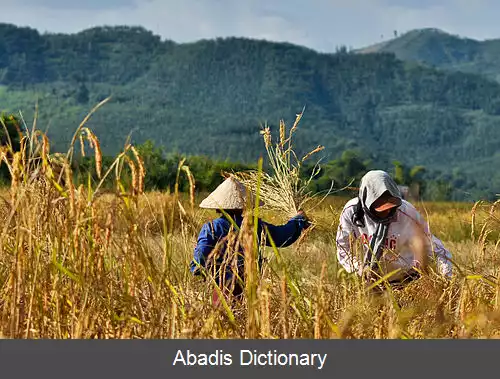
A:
(283, 189)
(133, 172)
(142, 170)
(16, 174)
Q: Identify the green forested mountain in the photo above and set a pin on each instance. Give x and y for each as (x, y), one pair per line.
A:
(436, 48)
(211, 97)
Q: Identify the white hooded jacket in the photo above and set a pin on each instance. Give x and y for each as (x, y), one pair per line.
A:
(400, 242)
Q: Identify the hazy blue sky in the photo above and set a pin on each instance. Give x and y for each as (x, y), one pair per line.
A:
(319, 24)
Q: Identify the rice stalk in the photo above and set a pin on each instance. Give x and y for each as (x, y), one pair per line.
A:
(192, 186)
(283, 189)
(142, 170)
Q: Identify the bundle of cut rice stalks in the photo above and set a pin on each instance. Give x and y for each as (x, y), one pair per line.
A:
(284, 189)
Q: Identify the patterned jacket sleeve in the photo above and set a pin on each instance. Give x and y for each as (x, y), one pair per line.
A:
(345, 232)
(437, 250)
(287, 234)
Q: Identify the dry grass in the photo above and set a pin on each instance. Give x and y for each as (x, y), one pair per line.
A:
(76, 263)
(283, 190)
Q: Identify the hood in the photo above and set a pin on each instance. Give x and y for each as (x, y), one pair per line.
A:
(374, 184)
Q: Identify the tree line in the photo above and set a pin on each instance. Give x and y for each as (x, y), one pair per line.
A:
(162, 168)
(344, 173)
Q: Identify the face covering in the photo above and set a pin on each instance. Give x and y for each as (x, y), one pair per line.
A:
(373, 185)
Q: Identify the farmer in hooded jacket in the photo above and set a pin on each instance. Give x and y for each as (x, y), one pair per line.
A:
(230, 197)
(394, 236)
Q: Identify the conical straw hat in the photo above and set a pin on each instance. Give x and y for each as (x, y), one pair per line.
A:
(230, 194)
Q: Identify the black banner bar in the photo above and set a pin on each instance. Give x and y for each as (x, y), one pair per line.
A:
(137, 359)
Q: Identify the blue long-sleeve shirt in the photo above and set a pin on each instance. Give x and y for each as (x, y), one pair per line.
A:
(212, 232)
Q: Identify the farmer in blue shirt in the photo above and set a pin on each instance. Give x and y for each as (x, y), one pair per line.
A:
(230, 197)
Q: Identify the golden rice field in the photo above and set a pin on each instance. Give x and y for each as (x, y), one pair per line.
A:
(117, 267)
(76, 262)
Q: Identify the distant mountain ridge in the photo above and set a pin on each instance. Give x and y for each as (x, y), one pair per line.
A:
(437, 48)
(211, 97)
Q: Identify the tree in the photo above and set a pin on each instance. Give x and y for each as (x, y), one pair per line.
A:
(82, 96)
(416, 181)
(411, 177)
(9, 137)
(349, 168)
(400, 174)
(160, 171)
